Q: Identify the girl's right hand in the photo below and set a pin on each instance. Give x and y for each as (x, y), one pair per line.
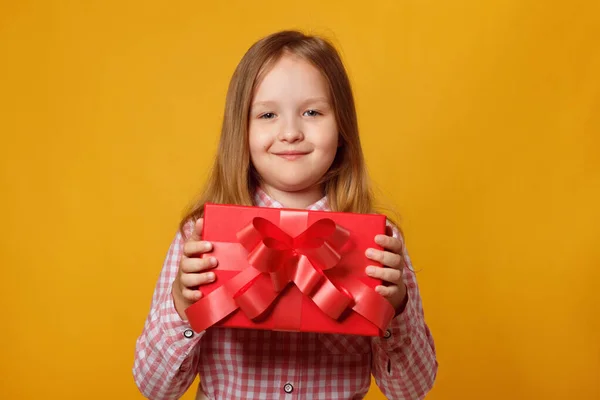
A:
(193, 271)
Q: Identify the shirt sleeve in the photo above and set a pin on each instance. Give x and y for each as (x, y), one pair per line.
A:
(404, 360)
(167, 351)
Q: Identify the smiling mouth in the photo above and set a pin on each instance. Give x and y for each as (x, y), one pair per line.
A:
(291, 155)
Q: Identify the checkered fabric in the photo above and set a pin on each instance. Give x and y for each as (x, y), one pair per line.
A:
(257, 364)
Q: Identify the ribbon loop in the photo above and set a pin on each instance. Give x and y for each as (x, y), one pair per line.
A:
(324, 257)
(299, 259)
(255, 297)
(266, 259)
(306, 277)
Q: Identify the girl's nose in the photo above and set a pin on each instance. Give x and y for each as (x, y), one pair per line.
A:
(291, 132)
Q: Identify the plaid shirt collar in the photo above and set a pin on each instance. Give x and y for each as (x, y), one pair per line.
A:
(262, 199)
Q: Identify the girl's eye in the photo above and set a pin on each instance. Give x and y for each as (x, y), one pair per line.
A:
(311, 113)
(268, 115)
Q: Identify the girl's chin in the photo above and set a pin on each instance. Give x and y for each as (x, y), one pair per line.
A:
(289, 186)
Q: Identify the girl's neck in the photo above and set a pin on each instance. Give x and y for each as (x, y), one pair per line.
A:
(300, 199)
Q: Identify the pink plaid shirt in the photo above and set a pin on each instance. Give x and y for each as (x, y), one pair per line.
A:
(257, 364)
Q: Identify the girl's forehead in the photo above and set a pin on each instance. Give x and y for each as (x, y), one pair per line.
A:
(293, 77)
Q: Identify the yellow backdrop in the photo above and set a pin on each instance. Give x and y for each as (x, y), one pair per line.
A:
(480, 122)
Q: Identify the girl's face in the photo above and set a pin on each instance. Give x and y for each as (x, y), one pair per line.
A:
(293, 133)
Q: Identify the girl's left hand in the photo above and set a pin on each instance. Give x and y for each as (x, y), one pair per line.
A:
(393, 289)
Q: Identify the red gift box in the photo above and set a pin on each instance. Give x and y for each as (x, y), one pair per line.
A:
(291, 270)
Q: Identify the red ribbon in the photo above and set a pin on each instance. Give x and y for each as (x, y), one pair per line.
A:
(278, 258)
(281, 259)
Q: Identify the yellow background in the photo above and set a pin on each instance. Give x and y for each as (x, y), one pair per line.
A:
(480, 122)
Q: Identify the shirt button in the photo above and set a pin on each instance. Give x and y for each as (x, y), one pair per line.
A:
(188, 333)
(407, 341)
(387, 334)
(288, 388)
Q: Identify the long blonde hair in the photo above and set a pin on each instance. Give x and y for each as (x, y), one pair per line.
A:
(233, 180)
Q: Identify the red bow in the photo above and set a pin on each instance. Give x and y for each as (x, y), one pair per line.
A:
(282, 259)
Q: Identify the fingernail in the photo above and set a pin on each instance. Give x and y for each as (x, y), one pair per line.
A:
(211, 276)
(207, 245)
(370, 253)
(378, 239)
(213, 261)
(370, 270)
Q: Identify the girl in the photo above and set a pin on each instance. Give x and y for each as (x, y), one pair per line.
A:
(289, 139)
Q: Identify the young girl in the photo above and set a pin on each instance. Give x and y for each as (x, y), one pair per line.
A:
(289, 139)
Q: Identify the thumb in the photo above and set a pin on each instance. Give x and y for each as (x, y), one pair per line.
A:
(389, 231)
(197, 232)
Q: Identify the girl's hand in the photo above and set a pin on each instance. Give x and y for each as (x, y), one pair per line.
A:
(192, 271)
(393, 288)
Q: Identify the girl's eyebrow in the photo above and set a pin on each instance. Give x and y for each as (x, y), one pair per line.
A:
(316, 99)
(263, 104)
(320, 99)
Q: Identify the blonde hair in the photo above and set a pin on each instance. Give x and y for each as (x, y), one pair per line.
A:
(233, 180)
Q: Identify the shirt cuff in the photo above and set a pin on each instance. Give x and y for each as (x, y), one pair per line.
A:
(178, 334)
(401, 329)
